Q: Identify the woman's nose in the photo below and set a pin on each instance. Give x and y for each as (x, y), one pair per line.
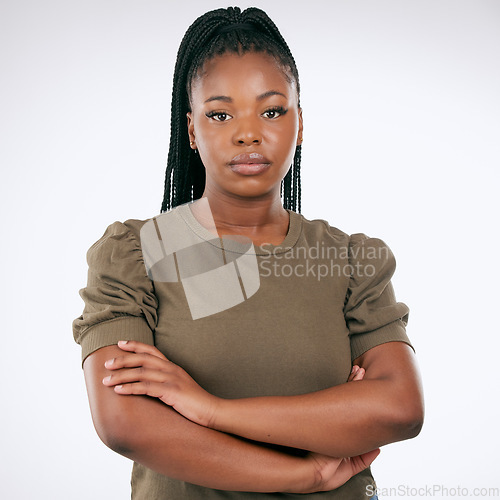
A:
(247, 133)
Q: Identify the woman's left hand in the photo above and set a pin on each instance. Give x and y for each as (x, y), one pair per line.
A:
(143, 369)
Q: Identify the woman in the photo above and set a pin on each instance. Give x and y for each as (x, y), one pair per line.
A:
(232, 348)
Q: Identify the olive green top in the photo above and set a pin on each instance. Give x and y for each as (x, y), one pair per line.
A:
(258, 321)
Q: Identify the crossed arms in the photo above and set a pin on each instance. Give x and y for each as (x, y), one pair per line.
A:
(183, 432)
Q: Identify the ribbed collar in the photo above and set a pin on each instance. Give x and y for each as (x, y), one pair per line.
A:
(232, 245)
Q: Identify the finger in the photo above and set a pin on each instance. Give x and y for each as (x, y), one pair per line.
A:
(152, 389)
(359, 375)
(135, 375)
(140, 348)
(134, 360)
(351, 466)
(362, 462)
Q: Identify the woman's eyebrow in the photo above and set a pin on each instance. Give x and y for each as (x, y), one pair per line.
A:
(269, 93)
(225, 98)
(219, 98)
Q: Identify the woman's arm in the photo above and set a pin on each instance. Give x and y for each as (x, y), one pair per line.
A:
(149, 432)
(345, 420)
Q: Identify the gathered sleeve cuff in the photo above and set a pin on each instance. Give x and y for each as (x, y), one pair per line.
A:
(120, 303)
(373, 316)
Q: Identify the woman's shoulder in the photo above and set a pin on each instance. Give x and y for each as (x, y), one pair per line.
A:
(142, 240)
(132, 228)
(120, 232)
(119, 243)
(318, 228)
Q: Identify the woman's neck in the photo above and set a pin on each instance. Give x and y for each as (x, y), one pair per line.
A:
(261, 220)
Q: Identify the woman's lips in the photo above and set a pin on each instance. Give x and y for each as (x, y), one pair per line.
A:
(249, 164)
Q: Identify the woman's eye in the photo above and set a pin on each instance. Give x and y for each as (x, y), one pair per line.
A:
(274, 112)
(218, 116)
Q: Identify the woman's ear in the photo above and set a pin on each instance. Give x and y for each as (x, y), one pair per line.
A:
(190, 124)
(301, 128)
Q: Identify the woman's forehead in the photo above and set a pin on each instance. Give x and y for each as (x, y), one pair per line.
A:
(252, 71)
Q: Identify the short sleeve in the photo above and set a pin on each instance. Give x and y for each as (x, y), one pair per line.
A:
(120, 303)
(373, 316)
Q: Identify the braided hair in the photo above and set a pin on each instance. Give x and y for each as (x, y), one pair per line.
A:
(213, 34)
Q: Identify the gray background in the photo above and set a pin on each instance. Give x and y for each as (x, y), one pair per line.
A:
(401, 108)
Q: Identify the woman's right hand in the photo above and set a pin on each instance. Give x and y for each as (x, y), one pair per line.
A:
(332, 472)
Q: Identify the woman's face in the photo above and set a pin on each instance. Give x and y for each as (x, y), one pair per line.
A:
(245, 123)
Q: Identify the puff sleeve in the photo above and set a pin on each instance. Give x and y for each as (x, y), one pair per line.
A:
(373, 316)
(120, 303)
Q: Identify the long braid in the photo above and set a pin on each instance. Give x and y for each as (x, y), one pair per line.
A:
(181, 183)
(204, 40)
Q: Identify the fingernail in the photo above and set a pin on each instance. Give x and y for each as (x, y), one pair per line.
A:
(106, 379)
(122, 342)
(109, 362)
